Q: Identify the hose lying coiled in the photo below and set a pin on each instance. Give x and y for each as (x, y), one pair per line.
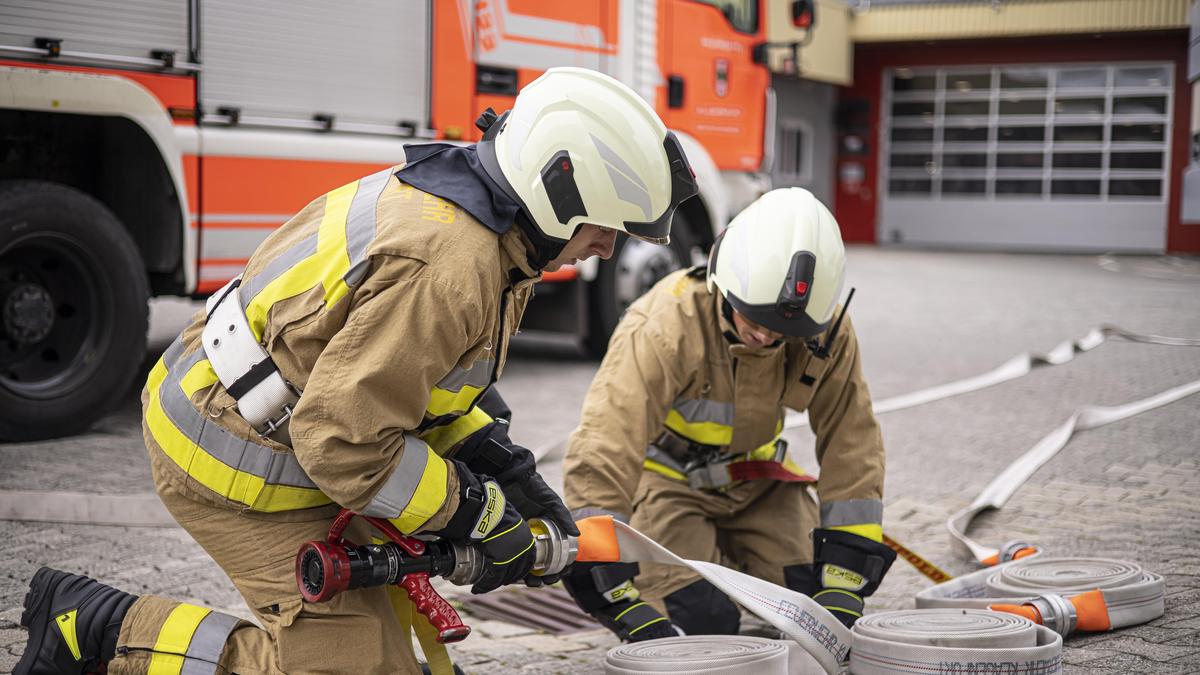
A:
(1091, 594)
(953, 641)
(701, 655)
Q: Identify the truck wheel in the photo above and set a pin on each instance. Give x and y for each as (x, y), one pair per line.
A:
(73, 310)
(635, 266)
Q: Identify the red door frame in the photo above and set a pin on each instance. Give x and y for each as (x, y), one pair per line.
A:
(857, 210)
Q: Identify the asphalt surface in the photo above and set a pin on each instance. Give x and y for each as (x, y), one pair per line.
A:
(1127, 490)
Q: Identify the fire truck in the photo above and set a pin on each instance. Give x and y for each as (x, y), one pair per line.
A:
(148, 146)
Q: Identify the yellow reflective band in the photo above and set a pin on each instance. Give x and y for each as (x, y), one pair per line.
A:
(428, 497)
(215, 474)
(199, 377)
(446, 436)
(872, 531)
(325, 267)
(66, 626)
(705, 433)
(663, 469)
(174, 637)
(446, 402)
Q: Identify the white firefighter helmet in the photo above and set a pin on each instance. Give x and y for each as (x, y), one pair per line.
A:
(781, 263)
(580, 147)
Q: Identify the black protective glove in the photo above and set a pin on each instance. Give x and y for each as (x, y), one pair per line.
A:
(847, 568)
(490, 451)
(606, 592)
(486, 519)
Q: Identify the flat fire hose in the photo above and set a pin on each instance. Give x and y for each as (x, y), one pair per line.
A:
(1012, 369)
(1068, 594)
(893, 642)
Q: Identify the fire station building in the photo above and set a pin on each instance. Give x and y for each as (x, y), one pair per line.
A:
(1021, 125)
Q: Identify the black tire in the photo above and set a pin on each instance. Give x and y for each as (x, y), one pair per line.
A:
(635, 266)
(73, 310)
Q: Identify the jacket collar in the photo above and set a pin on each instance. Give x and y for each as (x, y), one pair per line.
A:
(514, 256)
(454, 173)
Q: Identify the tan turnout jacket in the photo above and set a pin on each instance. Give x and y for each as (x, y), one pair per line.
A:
(392, 310)
(670, 370)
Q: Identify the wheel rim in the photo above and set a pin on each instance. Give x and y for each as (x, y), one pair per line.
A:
(55, 315)
(639, 266)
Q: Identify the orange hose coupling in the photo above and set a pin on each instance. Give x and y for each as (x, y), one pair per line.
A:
(1086, 612)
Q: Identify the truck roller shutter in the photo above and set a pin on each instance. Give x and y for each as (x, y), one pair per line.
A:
(364, 63)
(125, 28)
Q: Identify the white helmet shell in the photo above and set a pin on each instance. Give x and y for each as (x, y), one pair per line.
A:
(580, 147)
(781, 263)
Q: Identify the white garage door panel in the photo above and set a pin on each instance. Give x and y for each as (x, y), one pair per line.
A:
(363, 62)
(1072, 157)
(1036, 226)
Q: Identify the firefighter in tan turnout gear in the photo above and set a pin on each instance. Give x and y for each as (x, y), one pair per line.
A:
(378, 317)
(680, 432)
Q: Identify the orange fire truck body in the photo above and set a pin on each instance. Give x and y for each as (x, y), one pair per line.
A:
(205, 124)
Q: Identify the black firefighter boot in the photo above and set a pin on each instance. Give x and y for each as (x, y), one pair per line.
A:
(73, 623)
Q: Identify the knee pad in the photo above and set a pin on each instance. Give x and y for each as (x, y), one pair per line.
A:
(700, 609)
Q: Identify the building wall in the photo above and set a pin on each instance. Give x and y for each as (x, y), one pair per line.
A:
(805, 109)
(908, 20)
(856, 203)
(826, 55)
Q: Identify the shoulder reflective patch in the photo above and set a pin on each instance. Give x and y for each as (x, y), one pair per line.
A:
(66, 626)
(492, 512)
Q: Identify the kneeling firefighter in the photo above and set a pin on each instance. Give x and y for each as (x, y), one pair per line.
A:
(680, 432)
(345, 368)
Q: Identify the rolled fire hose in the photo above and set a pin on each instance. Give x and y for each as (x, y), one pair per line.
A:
(997, 643)
(952, 641)
(696, 654)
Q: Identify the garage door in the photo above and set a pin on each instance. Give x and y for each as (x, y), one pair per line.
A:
(1054, 157)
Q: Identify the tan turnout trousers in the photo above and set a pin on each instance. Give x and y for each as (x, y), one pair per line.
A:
(740, 529)
(355, 632)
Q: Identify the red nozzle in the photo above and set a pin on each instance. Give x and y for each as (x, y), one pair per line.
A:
(322, 570)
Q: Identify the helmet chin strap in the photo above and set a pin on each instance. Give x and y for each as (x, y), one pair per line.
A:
(822, 351)
(545, 249)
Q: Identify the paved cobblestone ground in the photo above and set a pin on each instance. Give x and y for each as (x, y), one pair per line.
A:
(1127, 490)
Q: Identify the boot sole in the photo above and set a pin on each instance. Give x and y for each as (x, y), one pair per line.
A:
(39, 595)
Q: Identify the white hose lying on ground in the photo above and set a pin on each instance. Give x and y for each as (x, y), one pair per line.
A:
(1012, 369)
(891, 642)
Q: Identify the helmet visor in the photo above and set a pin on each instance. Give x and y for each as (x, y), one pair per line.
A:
(779, 318)
(683, 187)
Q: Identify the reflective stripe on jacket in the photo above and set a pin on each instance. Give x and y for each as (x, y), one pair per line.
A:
(391, 309)
(669, 369)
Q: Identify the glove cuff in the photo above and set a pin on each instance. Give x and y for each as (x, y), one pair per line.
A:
(847, 606)
(590, 584)
(852, 562)
(628, 618)
(481, 505)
